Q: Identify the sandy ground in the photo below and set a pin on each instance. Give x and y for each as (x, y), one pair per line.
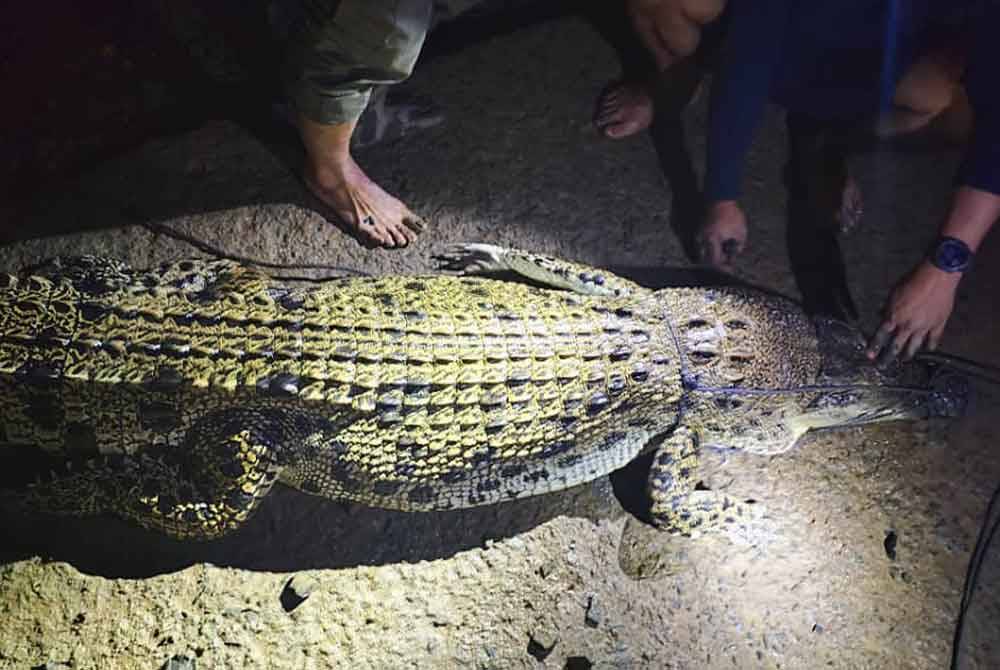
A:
(549, 582)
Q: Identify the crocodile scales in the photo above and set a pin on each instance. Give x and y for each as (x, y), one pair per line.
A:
(178, 396)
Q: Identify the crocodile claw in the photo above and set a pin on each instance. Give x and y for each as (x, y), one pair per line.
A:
(471, 258)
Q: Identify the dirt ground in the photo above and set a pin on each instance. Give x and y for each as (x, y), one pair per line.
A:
(860, 563)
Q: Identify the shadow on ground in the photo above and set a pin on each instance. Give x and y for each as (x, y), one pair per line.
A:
(292, 531)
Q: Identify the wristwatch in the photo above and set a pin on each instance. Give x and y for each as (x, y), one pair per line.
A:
(950, 254)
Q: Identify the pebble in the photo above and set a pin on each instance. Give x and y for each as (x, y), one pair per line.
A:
(541, 643)
(889, 544)
(179, 663)
(296, 590)
(594, 614)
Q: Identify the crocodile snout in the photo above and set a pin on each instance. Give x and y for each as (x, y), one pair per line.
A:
(951, 394)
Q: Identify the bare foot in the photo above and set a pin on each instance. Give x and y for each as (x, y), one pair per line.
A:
(332, 175)
(364, 206)
(623, 108)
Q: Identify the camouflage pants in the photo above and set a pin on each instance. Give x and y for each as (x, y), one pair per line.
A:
(340, 49)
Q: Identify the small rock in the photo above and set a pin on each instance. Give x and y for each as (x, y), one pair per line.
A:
(179, 662)
(578, 663)
(817, 628)
(541, 644)
(296, 590)
(890, 544)
(594, 614)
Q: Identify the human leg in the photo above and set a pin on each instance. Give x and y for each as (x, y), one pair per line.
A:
(341, 50)
(823, 202)
(627, 106)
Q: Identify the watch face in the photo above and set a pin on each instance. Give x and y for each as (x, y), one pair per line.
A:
(952, 255)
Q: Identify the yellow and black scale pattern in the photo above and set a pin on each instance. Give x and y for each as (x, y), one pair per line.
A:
(180, 395)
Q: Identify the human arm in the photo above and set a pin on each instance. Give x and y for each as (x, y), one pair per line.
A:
(921, 304)
(740, 92)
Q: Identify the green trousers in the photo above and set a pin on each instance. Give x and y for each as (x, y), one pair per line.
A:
(339, 49)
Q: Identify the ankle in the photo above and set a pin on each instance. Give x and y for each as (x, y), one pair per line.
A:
(329, 174)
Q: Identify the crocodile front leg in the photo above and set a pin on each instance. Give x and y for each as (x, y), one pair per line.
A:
(548, 270)
(230, 461)
(677, 507)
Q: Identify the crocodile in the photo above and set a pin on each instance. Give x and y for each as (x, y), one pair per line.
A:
(177, 397)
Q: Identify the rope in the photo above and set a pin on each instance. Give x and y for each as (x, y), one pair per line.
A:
(204, 247)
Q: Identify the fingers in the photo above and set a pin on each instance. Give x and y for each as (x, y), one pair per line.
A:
(706, 254)
(711, 253)
(891, 340)
(934, 338)
(915, 315)
(917, 340)
(891, 351)
(719, 251)
(880, 339)
(730, 249)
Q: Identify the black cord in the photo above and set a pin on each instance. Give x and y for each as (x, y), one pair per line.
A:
(987, 533)
(204, 247)
(967, 366)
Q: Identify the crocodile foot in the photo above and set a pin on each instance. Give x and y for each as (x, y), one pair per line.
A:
(477, 258)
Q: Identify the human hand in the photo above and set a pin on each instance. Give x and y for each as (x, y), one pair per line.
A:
(722, 236)
(916, 314)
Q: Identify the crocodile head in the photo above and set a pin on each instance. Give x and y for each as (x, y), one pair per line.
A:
(841, 388)
(853, 390)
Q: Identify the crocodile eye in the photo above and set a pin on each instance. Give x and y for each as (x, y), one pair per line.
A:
(703, 356)
(737, 324)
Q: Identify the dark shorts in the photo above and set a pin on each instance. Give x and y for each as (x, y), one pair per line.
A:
(339, 49)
